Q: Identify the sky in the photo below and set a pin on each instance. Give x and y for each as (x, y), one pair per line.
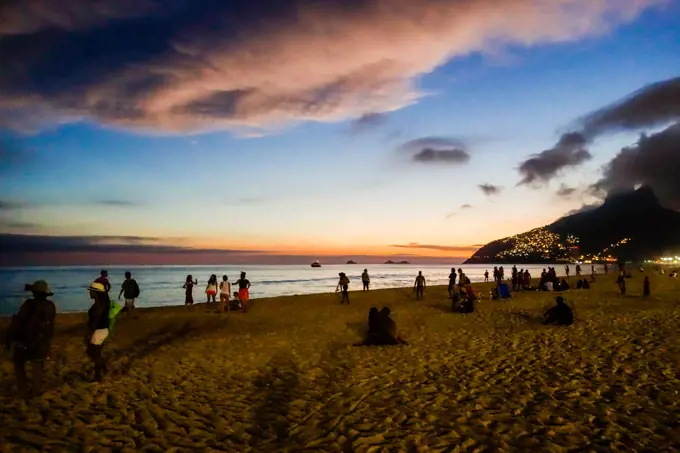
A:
(201, 131)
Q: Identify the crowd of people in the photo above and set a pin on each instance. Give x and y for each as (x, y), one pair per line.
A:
(31, 329)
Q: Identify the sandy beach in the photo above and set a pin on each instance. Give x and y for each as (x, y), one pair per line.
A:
(285, 377)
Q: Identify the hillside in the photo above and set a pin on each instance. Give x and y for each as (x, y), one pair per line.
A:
(628, 226)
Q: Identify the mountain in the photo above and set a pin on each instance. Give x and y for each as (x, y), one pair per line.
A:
(628, 226)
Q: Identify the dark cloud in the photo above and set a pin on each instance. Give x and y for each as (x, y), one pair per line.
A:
(22, 244)
(654, 105)
(565, 191)
(570, 151)
(443, 248)
(584, 208)
(490, 189)
(367, 122)
(654, 161)
(449, 156)
(11, 205)
(117, 203)
(466, 206)
(181, 65)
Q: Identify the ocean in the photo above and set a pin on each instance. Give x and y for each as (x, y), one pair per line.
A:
(162, 285)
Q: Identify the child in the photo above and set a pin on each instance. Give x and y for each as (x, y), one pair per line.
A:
(237, 301)
(225, 292)
(211, 289)
(188, 294)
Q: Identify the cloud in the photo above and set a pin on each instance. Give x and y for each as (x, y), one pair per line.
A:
(466, 206)
(178, 66)
(367, 122)
(449, 156)
(584, 208)
(570, 151)
(117, 203)
(435, 150)
(490, 189)
(654, 105)
(654, 161)
(22, 244)
(11, 205)
(443, 248)
(565, 192)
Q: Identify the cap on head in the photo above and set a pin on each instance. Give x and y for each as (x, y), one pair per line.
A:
(97, 287)
(40, 286)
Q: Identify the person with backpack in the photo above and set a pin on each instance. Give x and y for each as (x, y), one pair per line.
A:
(130, 289)
(29, 337)
(98, 323)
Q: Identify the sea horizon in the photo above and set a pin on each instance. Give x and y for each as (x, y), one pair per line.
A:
(162, 285)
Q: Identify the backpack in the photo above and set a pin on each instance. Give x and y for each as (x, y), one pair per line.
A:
(114, 310)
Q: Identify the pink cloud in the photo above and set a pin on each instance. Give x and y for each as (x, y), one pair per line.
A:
(322, 61)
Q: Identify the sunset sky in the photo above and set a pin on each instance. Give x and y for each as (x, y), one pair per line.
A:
(202, 131)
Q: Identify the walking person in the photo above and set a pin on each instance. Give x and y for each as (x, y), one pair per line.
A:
(244, 291)
(486, 276)
(592, 273)
(189, 284)
(646, 290)
(29, 337)
(566, 271)
(97, 328)
(419, 285)
(343, 283)
(225, 293)
(365, 279)
(104, 279)
(211, 289)
(129, 289)
(621, 281)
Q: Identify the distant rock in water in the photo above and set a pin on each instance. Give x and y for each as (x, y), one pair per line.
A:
(316, 264)
(390, 262)
(403, 262)
(628, 226)
(351, 262)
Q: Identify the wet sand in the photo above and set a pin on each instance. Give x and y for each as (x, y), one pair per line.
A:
(284, 377)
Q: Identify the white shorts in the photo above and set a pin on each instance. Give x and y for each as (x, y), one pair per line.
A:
(130, 302)
(99, 336)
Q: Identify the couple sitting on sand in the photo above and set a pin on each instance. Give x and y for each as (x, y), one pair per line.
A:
(382, 330)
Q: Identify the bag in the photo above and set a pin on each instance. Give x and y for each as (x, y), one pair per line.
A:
(114, 310)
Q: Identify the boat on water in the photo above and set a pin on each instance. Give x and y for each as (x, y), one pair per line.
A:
(316, 264)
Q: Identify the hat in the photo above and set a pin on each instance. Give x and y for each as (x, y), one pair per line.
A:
(97, 287)
(40, 286)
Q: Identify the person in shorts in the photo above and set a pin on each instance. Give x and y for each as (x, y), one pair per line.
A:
(225, 293)
(130, 290)
(244, 291)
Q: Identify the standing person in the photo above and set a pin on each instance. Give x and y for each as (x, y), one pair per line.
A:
(343, 283)
(461, 280)
(606, 268)
(130, 289)
(104, 279)
(225, 293)
(244, 291)
(211, 289)
(646, 287)
(501, 272)
(621, 281)
(486, 276)
(29, 337)
(97, 328)
(496, 274)
(592, 273)
(419, 285)
(578, 270)
(365, 279)
(566, 271)
(189, 284)
(452, 282)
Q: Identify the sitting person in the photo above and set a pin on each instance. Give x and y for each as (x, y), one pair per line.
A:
(586, 284)
(468, 304)
(559, 315)
(548, 286)
(579, 284)
(235, 302)
(562, 285)
(494, 294)
(382, 330)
